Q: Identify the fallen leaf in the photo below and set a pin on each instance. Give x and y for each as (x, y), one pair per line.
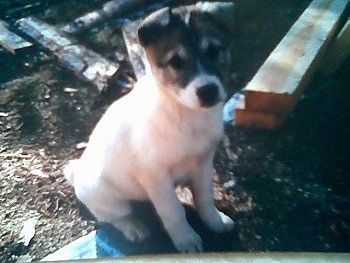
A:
(39, 173)
(28, 231)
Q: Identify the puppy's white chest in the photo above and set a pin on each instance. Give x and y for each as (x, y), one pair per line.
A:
(185, 145)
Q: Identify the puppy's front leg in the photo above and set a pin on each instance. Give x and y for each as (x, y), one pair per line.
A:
(202, 187)
(169, 208)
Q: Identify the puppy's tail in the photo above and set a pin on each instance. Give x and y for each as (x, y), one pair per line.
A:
(69, 171)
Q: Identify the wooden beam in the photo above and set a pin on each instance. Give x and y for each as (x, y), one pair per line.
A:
(83, 62)
(256, 119)
(281, 79)
(110, 9)
(10, 41)
(47, 35)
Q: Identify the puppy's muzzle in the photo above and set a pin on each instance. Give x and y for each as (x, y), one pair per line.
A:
(208, 95)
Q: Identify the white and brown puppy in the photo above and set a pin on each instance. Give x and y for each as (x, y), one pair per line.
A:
(165, 131)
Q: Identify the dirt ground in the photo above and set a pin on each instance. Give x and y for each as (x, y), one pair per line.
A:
(287, 190)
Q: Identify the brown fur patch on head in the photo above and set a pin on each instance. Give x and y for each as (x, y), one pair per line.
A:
(184, 43)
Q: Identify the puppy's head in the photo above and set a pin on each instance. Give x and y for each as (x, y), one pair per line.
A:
(188, 54)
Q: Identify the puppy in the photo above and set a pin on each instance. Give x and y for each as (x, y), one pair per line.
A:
(164, 132)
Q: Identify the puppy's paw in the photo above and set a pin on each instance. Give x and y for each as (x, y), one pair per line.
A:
(219, 222)
(189, 242)
(227, 222)
(134, 230)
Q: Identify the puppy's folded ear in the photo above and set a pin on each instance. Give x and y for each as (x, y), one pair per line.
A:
(222, 12)
(153, 26)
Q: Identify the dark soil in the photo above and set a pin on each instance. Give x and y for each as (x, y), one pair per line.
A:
(287, 190)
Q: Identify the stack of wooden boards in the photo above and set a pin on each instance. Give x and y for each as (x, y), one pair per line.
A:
(275, 89)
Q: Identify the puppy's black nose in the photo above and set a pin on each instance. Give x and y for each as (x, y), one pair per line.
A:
(208, 95)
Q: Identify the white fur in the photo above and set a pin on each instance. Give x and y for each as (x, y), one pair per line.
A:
(144, 144)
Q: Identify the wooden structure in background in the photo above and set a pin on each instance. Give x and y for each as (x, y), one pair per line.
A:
(274, 91)
(10, 41)
(83, 62)
(110, 9)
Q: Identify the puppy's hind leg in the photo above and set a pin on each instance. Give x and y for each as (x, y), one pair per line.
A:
(120, 217)
(132, 228)
(118, 212)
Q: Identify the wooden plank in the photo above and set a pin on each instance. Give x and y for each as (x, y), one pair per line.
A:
(338, 51)
(110, 9)
(83, 62)
(10, 41)
(48, 36)
(281, 79)
(256, 119)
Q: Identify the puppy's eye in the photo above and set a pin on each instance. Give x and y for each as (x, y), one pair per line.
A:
(176, 62)
(212, 51)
